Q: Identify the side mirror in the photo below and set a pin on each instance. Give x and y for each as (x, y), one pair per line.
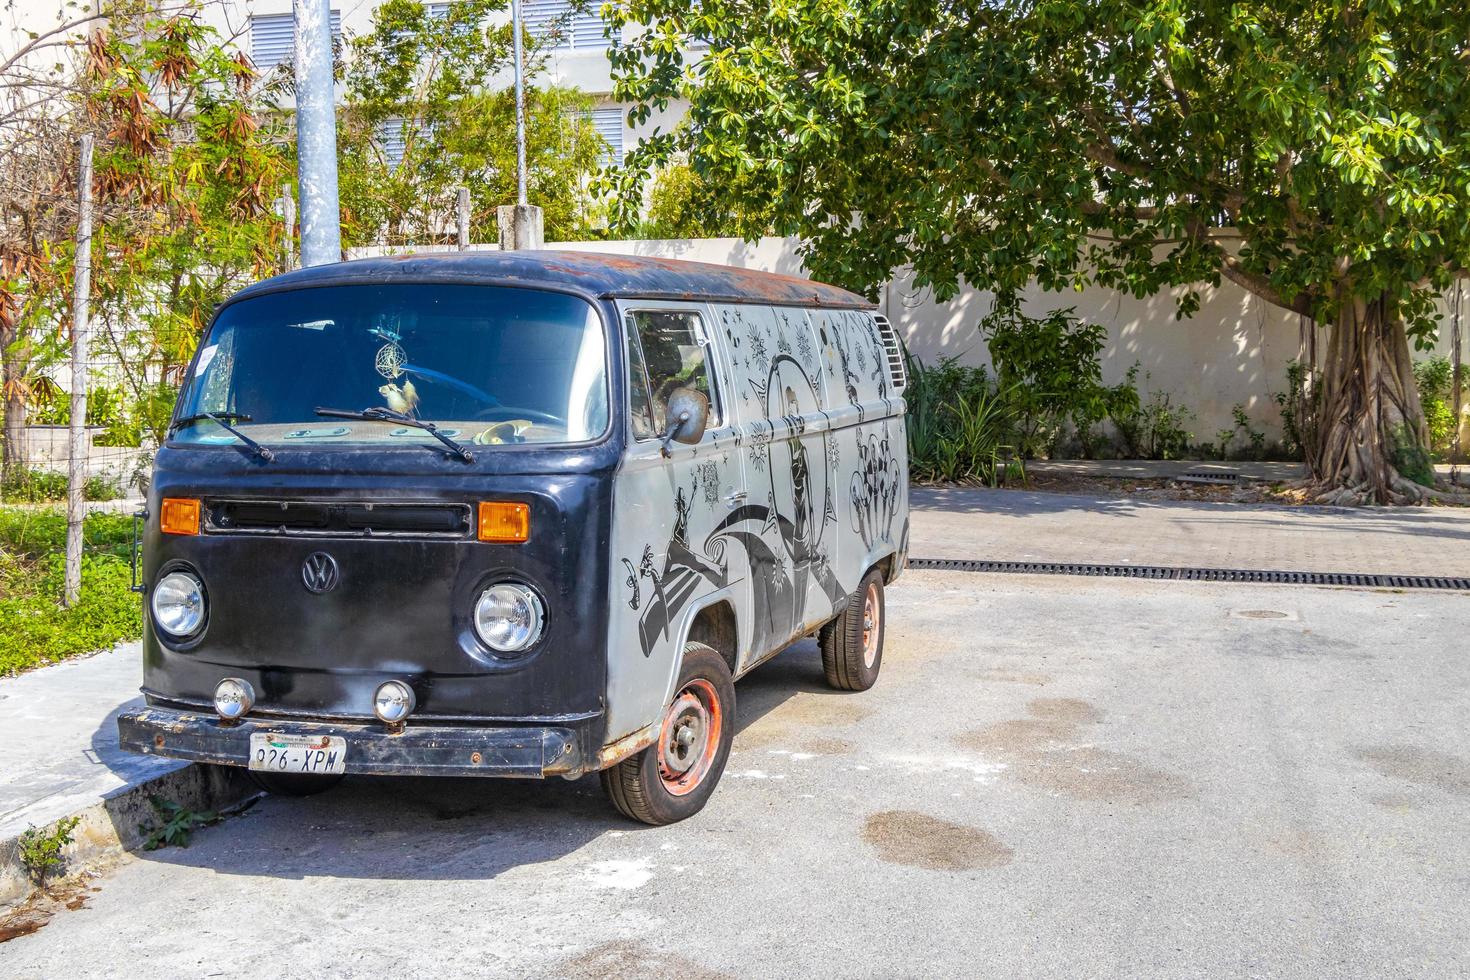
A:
(688, 414)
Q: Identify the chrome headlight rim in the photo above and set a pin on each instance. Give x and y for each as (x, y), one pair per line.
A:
(535, 632)
(241, 704)
(188, 637)
(404, 698)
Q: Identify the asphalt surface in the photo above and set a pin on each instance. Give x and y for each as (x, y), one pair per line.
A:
(1053, 777)
(1023, 525)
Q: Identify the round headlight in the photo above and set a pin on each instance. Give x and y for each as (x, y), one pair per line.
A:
(178, 604)
(233, 698)
(393, 701)
(509, 617)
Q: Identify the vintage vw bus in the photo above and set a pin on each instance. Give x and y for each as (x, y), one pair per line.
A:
(520, 514)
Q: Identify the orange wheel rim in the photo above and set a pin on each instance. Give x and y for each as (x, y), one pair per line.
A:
(872, 621)
(689, 738)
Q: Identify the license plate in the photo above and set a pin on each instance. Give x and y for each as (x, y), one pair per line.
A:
(298, 753)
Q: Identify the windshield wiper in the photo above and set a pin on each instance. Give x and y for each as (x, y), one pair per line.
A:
(223, 420)
(377, 414)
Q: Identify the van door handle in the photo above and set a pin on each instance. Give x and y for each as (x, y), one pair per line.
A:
(736, 498)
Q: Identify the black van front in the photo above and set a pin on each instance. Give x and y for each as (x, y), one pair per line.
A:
(378, 527)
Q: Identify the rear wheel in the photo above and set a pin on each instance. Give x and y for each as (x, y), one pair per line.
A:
(674, 777)
(852, 644)
(293, 783)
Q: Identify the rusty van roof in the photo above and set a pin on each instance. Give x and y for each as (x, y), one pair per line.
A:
(593, 274)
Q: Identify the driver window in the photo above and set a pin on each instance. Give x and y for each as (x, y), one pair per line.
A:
(674, 356)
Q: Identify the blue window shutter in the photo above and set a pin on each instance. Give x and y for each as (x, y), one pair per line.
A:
(609, 123)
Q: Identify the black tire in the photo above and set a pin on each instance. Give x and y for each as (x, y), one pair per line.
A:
(850, 664)
(643, 787)
(293, 783)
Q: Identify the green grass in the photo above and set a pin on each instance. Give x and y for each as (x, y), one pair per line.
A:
(34, 628)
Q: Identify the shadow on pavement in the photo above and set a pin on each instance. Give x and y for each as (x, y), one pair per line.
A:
(374, 827)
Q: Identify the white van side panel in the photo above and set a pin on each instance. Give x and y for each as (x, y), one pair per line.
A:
(780, 510)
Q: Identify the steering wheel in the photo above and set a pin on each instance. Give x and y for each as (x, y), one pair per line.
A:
(511, 412)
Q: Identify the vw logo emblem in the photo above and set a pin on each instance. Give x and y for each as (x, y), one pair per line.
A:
(319, 572)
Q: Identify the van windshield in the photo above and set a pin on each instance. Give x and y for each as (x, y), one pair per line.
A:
(488, 365)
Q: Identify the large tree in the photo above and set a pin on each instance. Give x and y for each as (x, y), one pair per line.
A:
(1314, 152)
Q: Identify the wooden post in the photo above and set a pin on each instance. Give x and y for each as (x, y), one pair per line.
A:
(288, 215)
(464, 218)
(76, 506)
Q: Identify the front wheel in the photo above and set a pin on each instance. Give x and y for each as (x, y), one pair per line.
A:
(674, 777)
(852, 644)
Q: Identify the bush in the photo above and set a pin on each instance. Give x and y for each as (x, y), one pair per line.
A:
(1049, 370)
(957, 424)
(1435, 379)
(34, 628)
(107, 407)
(48, 486)
(1154, 429)
(25, 486)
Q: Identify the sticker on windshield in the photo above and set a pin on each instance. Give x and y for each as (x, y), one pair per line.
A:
(205, 356)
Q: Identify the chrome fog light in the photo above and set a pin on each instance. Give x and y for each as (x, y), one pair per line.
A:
(393, 702)
(509, 617)
(233, 699)
(178, 604)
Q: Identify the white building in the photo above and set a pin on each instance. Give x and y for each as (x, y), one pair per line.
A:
(263, 28)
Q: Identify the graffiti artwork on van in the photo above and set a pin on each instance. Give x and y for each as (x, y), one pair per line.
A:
(785, 537)
(875, 489)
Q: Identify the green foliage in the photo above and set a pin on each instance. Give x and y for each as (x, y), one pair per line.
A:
(23, 486)
(1435, 378)
(957, 424)
(1066, 141)
(682, 204)
(34, 628)
(1298, 405)
(190, 163)
(439, 84)
(40, 850)
(1049, 369)
(1313, 152)
(1255, 439)
(178, 822)
(109, 407)
(1154, 429)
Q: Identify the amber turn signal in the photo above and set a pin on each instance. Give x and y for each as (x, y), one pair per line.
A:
(179, 515)
(504, 522)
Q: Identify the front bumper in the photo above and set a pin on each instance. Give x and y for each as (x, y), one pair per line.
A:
(521, 751)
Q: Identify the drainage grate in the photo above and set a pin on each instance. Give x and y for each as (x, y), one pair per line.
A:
(1193, 574)
(1209, 476)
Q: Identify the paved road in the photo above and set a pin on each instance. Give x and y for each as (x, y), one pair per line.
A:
(1021, 525)
(1054, 776)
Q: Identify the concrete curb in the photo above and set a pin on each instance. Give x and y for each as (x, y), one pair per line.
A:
(111, 827)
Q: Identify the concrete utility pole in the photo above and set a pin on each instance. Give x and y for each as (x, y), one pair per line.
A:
(316, 134)
(521, 225)
(515, 17)
(76, 471)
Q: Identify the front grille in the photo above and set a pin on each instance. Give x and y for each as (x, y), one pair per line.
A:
(338, 519)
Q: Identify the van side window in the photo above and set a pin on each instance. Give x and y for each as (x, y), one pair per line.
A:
(639, 414)
(674, 356)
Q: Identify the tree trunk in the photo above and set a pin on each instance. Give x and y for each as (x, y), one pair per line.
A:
(1371, 445)
(12, 378)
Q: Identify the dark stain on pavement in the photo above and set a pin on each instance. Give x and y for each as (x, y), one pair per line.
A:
(1048, 751)
(625, 958)
(918, 840)
(1428, 767)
